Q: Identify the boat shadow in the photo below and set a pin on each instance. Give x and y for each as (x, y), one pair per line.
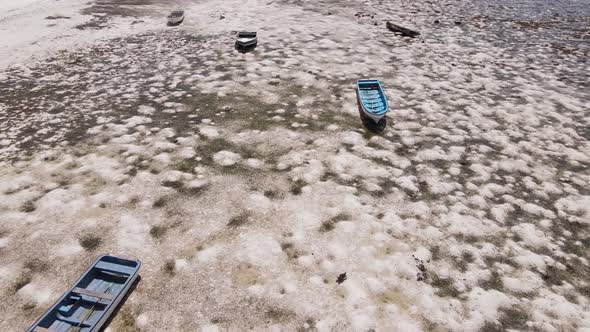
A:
(244, 49)
(175, 24)
(120, 305)
(369, 123)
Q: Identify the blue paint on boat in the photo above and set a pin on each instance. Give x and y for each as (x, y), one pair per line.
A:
(246, 39)
(372, 98)
(91, 300)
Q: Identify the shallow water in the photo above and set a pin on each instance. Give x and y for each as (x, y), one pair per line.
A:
(554, 35)
(534, 9)
(564, 24)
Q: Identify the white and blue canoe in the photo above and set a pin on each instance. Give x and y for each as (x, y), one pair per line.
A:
(246, 39)
(87, 305)
(176, 17)
(371, 98)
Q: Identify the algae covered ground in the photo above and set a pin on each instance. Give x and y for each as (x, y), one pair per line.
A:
(247, 185)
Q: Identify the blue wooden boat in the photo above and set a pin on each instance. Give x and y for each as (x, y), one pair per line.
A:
(91, 300)
(246, 39)
(371, 99)
(176, 17)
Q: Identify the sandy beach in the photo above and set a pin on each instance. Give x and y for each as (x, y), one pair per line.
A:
(247, 184)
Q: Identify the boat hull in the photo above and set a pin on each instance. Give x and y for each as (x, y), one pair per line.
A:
(176, 17)
(89, 303)
(243, 42)
(246, 39)
(175, 20)
(372, 116)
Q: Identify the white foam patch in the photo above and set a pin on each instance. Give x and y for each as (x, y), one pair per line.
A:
(187, 153)
(4, 242)
(132, 233)
(8, 272)
(468, 225)
(254, 163)
(484, 305)
(181, 265)
(454, 153)
(135, 121)
(259, 249)
(35, 292)
(61, 202)
(107, 168)
(175, 176)
(146, 110)
(160, 146)
(577, 205)
(210, 328)
(209, 254)
(143, 320)
(352, 138)
(531, 236)
(311, 172)
(197, 183)
(209, 132)
(347, 166)
(525, 282)
(226, 158)
(69, 249)
(10, 185)
(259, 202)
(549, 305)
(163, 158)
(407, 183)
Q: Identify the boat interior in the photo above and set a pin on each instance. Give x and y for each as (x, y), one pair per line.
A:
(371, 96)
(85, 304)
(246, 34)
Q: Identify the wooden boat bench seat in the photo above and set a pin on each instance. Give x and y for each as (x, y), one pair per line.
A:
(88, 292)
(115, 268)
(72, 321)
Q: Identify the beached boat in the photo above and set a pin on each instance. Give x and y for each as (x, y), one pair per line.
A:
(91, 300)
(246, 39)
(371, 99)
(176, 17)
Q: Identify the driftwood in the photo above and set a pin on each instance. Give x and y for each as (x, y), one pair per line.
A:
(399, 30)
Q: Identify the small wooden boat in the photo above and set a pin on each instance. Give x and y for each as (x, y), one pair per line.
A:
(91, 300)
(399, 30)
(371, 99)
(246, 39)
(176, 17)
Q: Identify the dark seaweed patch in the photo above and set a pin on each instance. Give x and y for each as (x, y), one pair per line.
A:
(90, 242)
(21, 281)
(28, 207)
(169, 267)
(239, 220)
(158, 232)
(296, 187)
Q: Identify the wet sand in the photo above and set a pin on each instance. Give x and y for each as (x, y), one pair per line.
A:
(246, 182)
